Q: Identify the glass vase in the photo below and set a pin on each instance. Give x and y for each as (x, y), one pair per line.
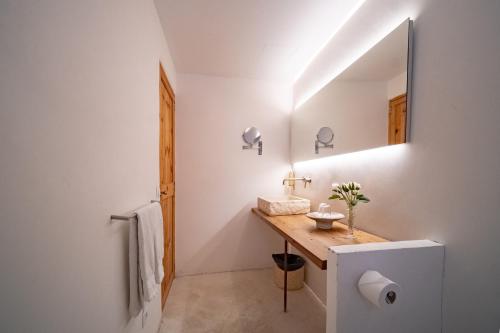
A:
(350, 222)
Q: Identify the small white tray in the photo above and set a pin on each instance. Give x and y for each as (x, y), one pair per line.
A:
(325, 221)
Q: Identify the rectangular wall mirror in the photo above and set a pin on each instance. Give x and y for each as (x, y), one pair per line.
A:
(366, 106)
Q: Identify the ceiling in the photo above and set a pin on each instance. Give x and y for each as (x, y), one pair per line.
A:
(257, 39)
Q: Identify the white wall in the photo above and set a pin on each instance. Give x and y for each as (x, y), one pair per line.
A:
(396, 86)
(444, 185)
(217, 182)
(79, 141)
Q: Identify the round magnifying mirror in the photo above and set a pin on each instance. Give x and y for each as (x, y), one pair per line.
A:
(325, 135)
(251, 135)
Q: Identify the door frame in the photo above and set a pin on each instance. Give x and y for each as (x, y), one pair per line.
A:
(164, 80)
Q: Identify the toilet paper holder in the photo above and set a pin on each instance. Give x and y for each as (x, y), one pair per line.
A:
(390, 297)
(378, 289)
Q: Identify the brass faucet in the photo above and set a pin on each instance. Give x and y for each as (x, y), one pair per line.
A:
(291, 180)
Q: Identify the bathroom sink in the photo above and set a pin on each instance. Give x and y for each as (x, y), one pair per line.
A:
(286, 205)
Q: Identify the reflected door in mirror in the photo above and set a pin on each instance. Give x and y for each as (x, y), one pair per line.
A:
(397, 120)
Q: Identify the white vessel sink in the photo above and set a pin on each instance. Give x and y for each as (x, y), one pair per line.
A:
(286, 205)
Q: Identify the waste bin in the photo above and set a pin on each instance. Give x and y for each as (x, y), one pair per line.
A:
(295, 271)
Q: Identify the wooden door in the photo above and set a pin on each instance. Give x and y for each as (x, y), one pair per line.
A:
(167, 180)
(397, 120)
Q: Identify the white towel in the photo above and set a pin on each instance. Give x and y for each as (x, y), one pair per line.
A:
(136, 302)
(150, 239)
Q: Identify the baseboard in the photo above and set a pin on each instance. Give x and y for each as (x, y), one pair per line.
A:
(223, 271)
(313, 294)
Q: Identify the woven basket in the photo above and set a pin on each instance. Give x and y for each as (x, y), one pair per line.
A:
(295, 279)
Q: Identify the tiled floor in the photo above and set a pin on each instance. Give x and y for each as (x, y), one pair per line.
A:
(245, 301)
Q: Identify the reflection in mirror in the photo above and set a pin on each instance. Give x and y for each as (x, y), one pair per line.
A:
(366, 106)
(323, 139)
(325, 135)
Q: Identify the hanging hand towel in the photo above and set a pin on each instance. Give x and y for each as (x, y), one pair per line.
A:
(136, 303)
(150, 239)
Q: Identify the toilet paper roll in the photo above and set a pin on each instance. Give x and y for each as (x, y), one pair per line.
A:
(379, 290)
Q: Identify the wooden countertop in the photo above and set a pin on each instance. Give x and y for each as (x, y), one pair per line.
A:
(302, 233)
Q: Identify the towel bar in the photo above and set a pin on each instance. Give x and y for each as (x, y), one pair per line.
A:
(126, 218)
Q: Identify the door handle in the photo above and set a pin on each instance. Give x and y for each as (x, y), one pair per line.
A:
(164, 192)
